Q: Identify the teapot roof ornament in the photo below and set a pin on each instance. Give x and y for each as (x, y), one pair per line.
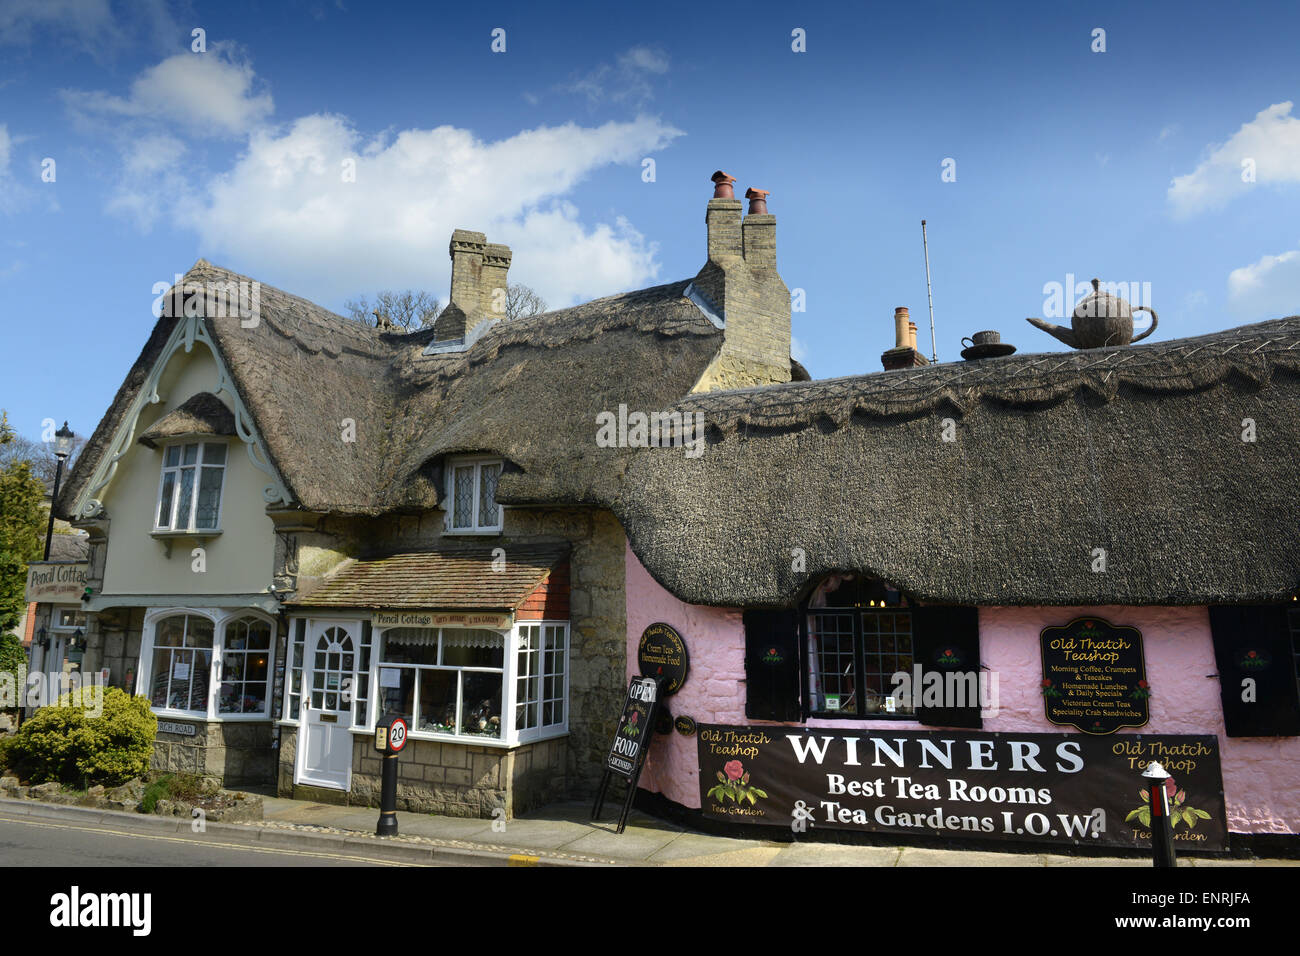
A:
(1100, 320)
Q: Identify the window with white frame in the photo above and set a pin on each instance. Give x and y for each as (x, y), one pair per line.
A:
(181, 664)
(476, 685)
(540, 678)
(185, 654)
(471, 496)
(245, 667)
(444, 680)
(189, 492)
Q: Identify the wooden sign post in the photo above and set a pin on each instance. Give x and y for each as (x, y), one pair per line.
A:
(626, 757)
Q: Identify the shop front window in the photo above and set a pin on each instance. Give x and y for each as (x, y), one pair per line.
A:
(472, 684)
(186, 654)
(245, 667)
(444, 681)
(181, 664)
(857, 641)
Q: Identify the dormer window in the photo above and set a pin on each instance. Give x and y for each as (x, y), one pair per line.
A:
(189, 493)
(471, 496)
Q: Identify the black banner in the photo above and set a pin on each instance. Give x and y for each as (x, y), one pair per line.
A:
(1028, 788)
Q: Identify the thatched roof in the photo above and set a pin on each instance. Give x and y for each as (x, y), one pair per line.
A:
(450, 576)
(1135, 450)
(202, 414)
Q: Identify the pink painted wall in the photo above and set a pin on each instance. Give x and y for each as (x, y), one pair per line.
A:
(1261, 776)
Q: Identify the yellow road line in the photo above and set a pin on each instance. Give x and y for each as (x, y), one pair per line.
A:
(230, 846)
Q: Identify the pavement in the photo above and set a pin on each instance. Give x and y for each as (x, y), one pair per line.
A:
(559, 835)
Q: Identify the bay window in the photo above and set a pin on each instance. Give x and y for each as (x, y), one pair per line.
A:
(473, 685)
(189, 492)
(186, 654)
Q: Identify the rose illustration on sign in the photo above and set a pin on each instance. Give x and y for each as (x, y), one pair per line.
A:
(631, 729)
(733, 784)
(1143, 691)
(1254, 660)
(1178, 808)
(1048, 689)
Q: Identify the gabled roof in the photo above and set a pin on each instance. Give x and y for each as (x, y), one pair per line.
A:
(1137, 451)
(528, 390)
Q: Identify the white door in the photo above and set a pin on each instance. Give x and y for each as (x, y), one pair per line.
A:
(324, 730)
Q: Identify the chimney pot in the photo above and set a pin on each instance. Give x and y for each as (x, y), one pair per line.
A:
(757, 200)
(901, 323)
(722, 186)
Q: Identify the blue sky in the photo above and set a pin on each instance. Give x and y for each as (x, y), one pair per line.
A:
(1126, 164)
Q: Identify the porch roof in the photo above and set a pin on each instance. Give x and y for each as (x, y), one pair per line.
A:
(453, 576)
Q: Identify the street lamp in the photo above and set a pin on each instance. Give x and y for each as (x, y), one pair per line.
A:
(62, 449)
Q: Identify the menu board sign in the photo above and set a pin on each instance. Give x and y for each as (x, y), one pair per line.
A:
(635, 728)
(1094, 676)
(1018, 788)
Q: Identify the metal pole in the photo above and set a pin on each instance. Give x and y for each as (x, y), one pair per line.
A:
(934, 349)
(49, 531)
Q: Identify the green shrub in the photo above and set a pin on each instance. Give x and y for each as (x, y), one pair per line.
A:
(170, 786)
(63, 743)
(6, 745)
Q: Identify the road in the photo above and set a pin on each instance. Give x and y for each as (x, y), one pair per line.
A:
(25, 841)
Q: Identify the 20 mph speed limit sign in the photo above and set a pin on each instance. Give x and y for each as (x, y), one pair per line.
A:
(397, 735)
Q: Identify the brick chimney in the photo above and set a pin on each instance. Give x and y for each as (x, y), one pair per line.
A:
(478, 269)
(904, 354)
(741, 283)
(492, 284)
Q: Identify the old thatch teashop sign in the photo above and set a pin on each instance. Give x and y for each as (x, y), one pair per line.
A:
(1029, 788)
(1094, 676)
(661, 654)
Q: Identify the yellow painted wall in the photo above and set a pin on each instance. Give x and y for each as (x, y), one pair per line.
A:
(240, 560)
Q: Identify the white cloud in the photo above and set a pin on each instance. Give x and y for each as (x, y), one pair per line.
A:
(211, 94)
(798, 351)
(332, 212)
(1267, 289)
(1270, 143)
(88, 23)
(286, 209)
(626, 80)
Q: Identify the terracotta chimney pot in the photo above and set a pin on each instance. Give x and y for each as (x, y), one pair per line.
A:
(757, 200)
(722, 186)
(900, 327)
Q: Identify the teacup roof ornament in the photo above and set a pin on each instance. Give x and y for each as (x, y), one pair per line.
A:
(1101, 319)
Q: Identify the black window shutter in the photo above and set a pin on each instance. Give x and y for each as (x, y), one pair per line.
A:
(947, 640)
(1254, 641)
(772, 678)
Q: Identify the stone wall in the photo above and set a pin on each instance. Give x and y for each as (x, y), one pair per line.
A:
(239, 752)
(462, 780)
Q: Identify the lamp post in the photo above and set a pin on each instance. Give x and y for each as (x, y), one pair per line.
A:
(62, 449)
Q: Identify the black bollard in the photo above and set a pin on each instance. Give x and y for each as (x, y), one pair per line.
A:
(1162, 831)
(387, 825)
(390, 738)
